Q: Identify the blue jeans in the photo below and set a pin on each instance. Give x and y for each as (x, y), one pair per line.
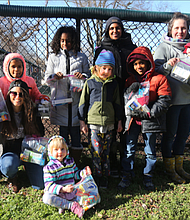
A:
(9, 163)
(131, 144)
(177, 125)
(74, 133)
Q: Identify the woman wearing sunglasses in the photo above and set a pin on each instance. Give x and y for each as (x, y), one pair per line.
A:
(23, 122)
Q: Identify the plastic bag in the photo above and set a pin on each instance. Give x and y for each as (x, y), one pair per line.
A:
(181, 72)
(4, 114)
(138, 100)
(43, 105)
(87, 192)
(60, 92)
(76, 84)
(34, 150)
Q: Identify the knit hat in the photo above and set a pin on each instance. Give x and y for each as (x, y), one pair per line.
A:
(112, 20)
(136, 57)
(105, 58)
(19, 83)
(186, 46)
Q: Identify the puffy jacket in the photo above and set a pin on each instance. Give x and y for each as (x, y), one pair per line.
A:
(58, 63)
(100, 102)
(6, 80)
(57, 174)
(159, 94)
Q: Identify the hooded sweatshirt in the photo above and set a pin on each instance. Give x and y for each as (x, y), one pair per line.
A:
(6, 80)
(167, 49)
(159, 93)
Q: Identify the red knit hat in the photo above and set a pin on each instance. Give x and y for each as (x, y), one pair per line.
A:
(136, 57)
(186, 46)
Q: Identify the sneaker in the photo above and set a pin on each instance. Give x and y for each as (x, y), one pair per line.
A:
(147, 182)
(77, 209)
(114, 173)
(103, 182)
(14, 184)
(61, 211)
(126, 181)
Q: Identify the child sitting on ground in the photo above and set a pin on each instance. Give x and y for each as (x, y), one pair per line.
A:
(98, 107)
(59, 177)
(141, 67)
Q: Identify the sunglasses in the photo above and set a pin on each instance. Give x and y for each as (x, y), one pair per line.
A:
(20, 94)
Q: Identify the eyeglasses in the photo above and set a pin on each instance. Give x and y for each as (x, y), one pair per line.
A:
(20, 94)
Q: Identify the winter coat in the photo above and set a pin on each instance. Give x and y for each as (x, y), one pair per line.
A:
(58, 174)
(159, 94)
(120, 48)
(59, 88)
(100, 102)
(6, 80)
(170, 48)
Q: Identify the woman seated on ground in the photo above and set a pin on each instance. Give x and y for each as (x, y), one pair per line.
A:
(23, 122)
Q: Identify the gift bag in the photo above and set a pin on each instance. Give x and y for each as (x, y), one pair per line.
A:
(34, 150)
(138, 100)
(4, 114)
(87, 192)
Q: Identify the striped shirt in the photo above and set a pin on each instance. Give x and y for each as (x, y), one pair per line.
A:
(58, 174)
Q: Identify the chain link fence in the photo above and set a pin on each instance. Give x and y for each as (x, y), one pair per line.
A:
(32, 36)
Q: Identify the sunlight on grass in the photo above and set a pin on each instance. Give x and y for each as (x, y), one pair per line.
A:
(169, 201)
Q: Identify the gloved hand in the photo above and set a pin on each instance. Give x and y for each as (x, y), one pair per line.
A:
(133, 87)
(140, 114)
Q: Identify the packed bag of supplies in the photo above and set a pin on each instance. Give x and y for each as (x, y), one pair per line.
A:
(138, 100)
(43, 105)
(34, 150)
(4, 114)
(61, 97)
(87, 192)
(181, 72)
(76, 85)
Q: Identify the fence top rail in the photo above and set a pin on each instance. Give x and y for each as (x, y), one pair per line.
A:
(83, 12)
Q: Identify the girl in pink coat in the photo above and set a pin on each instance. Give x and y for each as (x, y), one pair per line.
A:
(14, 67)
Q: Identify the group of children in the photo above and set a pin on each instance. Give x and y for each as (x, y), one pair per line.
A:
(97, 109)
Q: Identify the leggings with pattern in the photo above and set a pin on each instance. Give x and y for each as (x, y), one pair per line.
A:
(99, 145)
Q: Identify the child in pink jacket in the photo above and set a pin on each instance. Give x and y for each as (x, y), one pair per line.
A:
(14, 67)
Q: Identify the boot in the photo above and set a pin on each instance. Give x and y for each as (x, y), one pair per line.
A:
(169, 164)
(179, 167)
(76, 154)
(14, 184)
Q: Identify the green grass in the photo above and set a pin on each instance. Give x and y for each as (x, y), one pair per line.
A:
(169, 201)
